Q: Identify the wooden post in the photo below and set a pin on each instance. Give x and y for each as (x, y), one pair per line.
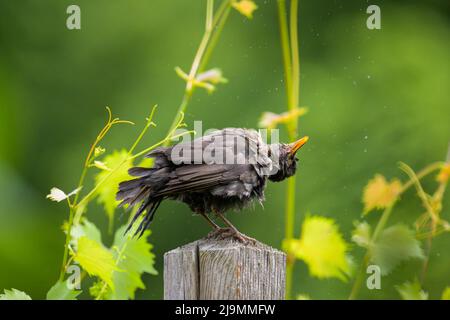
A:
(210, 269)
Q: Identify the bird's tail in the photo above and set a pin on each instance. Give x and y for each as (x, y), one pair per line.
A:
(133, 192)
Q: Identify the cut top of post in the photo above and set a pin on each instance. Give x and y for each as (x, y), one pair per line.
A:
(210, 269)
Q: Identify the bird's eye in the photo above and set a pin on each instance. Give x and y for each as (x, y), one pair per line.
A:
(296, 159)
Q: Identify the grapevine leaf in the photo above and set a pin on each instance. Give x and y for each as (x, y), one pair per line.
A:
(394, 245)
(446, 294)
(61, 291)
(14, 294)
(379, 194)
(361, 234)
(412, 291)
(96, 259)
(245, 7)
(322, 248)
(85, 228)
(117, 161)
(134, 257)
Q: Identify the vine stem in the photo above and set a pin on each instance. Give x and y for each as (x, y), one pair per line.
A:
(204, 51)
(169, 137)
(382, 223)
(202, 55)
(434, 215)
(73, 206)
(295, 61)
(284, 37)
(291, 64)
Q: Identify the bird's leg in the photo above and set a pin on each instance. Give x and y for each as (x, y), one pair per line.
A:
(211, 223)
(234, 232)
(218, 231)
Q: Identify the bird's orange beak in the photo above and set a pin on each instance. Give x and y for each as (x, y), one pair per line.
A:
(295, 146)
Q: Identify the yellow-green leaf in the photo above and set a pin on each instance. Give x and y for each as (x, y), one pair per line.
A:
(379, 194)
(87, 229)
(444, 173)
(110, 179)
(322, 248)
(245, 7)
(134, 258)
(446, 294)
(412, 291)
(14, 294)
(96, 259)
(62, 291)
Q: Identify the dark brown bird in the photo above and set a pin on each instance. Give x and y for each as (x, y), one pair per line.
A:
(221, 171)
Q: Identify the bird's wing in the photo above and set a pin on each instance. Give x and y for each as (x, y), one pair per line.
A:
(219, 180)
(227, 146)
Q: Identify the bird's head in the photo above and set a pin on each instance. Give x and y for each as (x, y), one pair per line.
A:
(287, 159)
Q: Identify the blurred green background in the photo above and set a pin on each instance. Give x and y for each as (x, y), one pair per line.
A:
(375, 96)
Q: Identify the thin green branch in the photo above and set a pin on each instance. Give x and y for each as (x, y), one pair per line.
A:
(284, 37)
(219, 22)
(149, 124)
(132, 157)
(73, 207)
(214, 24)
(204, 51)
(420, 192)
(291, 64)
(295, 60)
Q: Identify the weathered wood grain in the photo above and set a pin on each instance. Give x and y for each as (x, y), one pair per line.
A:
(224, 269)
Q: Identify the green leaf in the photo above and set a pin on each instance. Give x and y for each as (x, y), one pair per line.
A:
(135, 258)
(87, 229)
(446, 294)
(394, 245)
(361, 234)
(322, 247)
(14, 294)
(96, 259)
(108, 189)
(61, 291)
(412, 291)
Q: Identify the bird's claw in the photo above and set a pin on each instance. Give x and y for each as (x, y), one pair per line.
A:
(227, 233)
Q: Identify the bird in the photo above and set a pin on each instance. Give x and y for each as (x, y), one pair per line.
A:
(220, 171)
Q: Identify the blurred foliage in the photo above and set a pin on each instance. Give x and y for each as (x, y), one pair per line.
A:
(412, 291)
(374, 97)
